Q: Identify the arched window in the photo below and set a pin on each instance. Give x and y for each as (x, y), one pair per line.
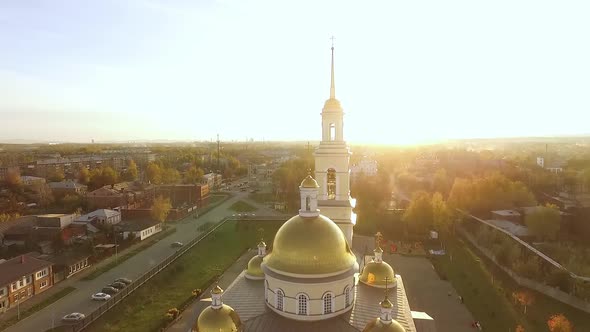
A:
(332, 132)
(307, 203)
(302, 304)
(280, 296)
(328, 303)
(346, 296)
(331, 183)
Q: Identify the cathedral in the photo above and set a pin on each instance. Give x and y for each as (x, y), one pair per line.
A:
(312, 280)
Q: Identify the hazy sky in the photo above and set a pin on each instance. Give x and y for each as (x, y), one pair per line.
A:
(406, 71)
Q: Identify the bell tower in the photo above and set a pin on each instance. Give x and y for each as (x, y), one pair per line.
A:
(332, 171)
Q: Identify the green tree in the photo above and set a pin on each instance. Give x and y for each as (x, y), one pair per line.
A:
(154, 173)
(160, 209)
(170, 176)
(418, 216)
(544, 222)
(194, 175)
(84, 176)
(442, 215)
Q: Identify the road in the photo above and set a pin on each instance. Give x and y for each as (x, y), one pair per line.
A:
(79, 300)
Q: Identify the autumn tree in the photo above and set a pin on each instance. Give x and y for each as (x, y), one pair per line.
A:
(13, 178)
(84, 176)
(170, 176)
(418, 217)
(441, 182)
(55, 175)
(194, 175)
(559, 323)
(160, 208)
(544, 222)
(442, 215)
(71, 202)
(154, 173)
(524, 298)
(130, 174)
(109, 176)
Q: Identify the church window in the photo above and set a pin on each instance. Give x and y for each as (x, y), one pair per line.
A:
(332, 132)
(307, 203)
(346, 296)
(331, 183)
(280, 296)
(328, 303)
(302, 304)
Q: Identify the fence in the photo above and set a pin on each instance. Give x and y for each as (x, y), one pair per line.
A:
(122, 294)
(544, 289)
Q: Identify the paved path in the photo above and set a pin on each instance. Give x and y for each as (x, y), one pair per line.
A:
(79, 300)
(427, 292)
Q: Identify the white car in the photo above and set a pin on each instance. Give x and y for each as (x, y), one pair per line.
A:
(101, 296)
(73, 317)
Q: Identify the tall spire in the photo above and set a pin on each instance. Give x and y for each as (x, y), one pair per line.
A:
(332, 87)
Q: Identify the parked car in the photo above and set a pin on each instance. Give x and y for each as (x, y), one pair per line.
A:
(124, 280)
(101, 296)
(110, 290)
(176, 244)
(73, 317)
(118, 285)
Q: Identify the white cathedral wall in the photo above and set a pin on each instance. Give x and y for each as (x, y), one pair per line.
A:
(315, 293)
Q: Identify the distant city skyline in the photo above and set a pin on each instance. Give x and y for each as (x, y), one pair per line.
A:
(180, 70)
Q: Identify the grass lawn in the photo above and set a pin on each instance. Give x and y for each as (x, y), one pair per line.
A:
(26, 313)
(130, 254)
(241, 206)
(261, 197)
(144, 310)
(491, 303)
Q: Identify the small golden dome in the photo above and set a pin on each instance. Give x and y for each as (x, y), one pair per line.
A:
(217, 290)
(376, 325)
(374, 274)
(386, 303)
(314, 245)
(309, 182)
(224, 319)
(332, 103)
(254, 271)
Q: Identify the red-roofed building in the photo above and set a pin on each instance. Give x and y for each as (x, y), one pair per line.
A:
(21, 278)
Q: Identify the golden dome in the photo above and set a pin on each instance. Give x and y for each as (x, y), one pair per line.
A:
(224, 319)
(376, 325)
(314, 245)
(217, 290)
(309, 182)
(374, 274)
(332, 103)
(254, 271)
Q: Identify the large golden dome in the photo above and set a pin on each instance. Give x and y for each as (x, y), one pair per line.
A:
(376, 325)
(374, 274)
(313, 245)
(224, 319)
(254, 271)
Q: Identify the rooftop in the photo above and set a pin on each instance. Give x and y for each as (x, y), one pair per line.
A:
(19, 266)
(247, 298)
